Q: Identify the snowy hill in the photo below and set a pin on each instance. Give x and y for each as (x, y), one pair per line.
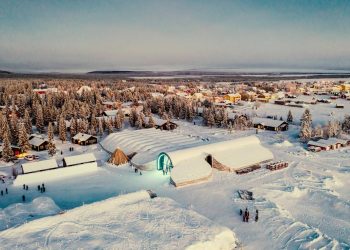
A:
(132, 221)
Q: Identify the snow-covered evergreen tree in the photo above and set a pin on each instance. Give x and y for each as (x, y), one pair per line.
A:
(306, 126)
(23, 141)
(211, 120)
(62, 130)
(346, 124)
(27, 122)
(52, 145)
(6, 147)
(39, 119)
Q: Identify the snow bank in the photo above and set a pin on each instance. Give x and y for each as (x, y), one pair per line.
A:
(19, 213)
(132, 221)
(283, 144)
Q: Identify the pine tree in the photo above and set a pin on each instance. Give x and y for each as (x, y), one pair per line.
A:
(39, 119)
(100, 127)
(306, 126)
(224, 122)
(14, 128)
(6, 150)
(62, 130)
(73, 127)
(52, 146)
(346, 124)
(211, 120)
(289, 117)
(150, 122)
(23, 141)
(27, 122)
(110, 126)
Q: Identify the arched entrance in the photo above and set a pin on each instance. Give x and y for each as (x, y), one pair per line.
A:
(164, 162)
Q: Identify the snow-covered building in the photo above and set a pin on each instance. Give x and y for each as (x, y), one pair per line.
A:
(327, 144)
(195, 164)
(188, 159)
(38, 143)
(48, 170)
(88, 159)
(161, 123)
(38, 166)
(84, 139)
(270, 124)
(143, 146)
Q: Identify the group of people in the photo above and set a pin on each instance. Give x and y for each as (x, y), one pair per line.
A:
(70, 149)
(136, 171)
(41, 188)
(6, 192)
(246, 215)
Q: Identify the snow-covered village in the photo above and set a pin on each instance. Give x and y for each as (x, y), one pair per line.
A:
(200, 164)
(194, 125)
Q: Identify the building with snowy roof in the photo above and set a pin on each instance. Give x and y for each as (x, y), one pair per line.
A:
(327, 144)
(81, 159)
(38, 166)
(270, 124)
(195, 164)
(187, 159)
(84, 139)
(38, 143)
(48, 170)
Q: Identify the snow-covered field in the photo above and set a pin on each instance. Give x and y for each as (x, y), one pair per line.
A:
(132, 221)
(305, 206)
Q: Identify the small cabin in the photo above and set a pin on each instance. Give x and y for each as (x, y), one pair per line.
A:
(270, 124)
(38, 143)
(84, 139)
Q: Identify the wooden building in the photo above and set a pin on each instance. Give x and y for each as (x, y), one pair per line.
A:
(84, 139)
(270, 124)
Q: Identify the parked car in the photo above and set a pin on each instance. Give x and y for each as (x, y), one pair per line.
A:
(29, 157)
(36, 157)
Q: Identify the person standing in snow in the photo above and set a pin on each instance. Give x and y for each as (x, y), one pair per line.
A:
(240, 212)
(6, 191)
(23, 198)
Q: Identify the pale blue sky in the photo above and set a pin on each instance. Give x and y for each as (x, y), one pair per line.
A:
(74, 35)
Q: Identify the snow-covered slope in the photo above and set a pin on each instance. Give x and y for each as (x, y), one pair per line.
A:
(132, 221)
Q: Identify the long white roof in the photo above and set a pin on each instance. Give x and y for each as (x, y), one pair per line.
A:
(147, 143)
(236, 154)
(79, 159)
(39, 166)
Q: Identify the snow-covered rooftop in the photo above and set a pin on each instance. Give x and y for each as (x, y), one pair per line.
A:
(37, 166)
(79, 159)
(82, 137)
(267, 122)
(147, 143)
(36, 141)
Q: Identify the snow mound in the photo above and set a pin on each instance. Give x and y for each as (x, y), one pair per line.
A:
(19, 213)
(283, 144)
(132, 221)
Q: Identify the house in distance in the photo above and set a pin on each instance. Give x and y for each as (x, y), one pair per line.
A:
(84, 139)
(270, 124)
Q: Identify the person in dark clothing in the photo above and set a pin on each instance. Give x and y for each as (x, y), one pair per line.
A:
(2, 193)
(248, 217)
(24, 186)
(256, 217)
(23, 198)
(136, 170)
(240, 212)
(38, 187)
(43, 185)
(6, 191)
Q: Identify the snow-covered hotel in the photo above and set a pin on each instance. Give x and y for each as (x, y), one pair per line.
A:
(188, 159)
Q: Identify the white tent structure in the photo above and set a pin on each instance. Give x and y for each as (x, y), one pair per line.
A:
(147, 144)
(195, 164)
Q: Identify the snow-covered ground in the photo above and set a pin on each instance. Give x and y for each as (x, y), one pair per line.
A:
(132, 221)
(305, 206)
